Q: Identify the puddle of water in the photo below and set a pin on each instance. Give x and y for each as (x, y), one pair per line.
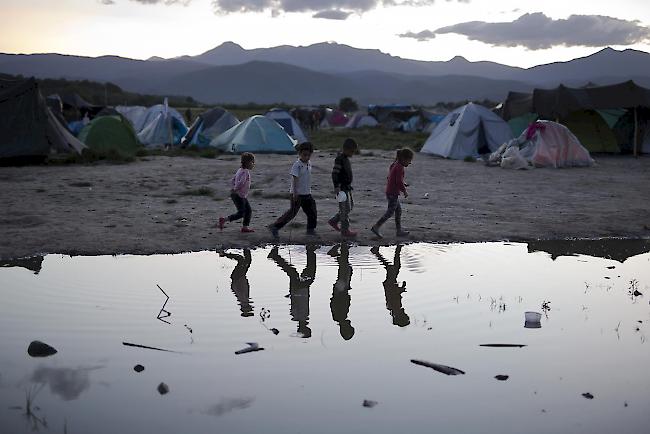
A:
(348, 322)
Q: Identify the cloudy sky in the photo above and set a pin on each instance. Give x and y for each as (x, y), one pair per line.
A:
(521, 33)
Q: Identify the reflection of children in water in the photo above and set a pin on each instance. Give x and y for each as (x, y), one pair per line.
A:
(239, 284)
(340, 302)
(392, 290)
(299, 285)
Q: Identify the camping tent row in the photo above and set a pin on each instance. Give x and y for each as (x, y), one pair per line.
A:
(28, 127)
(604, 118)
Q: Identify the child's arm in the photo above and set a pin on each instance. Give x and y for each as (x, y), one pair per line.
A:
(402, 185)
(335, 175)
(294, 195)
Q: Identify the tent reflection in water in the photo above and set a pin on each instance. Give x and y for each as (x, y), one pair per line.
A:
(28, 128)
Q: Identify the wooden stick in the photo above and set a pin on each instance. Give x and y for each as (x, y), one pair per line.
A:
(636, 132)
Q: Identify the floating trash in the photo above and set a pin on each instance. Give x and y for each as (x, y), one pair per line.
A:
(447, 370)
(40, 349)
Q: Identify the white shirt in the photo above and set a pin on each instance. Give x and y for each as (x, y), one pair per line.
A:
(302, 172)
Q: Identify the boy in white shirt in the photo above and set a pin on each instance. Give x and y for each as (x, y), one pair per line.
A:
(300, 192)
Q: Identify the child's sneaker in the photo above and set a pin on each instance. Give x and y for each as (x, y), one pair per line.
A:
(247, 230)
(375, 230)
(334, 226)
(222, 223)
(401, 233)
(274, 231)
(349, 234)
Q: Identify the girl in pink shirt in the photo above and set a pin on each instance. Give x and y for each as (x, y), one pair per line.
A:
(394, 186)
(241, 184)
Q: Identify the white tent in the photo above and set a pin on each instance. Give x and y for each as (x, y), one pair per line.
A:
(360, 120)
(467, 131)
(553, 145)
(165, 129)
(135, 114)
(255, 134)
(287, 122)
(153, 112)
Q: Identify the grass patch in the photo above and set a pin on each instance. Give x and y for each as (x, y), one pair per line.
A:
(201, 191)
(368, 138)
(469, 159)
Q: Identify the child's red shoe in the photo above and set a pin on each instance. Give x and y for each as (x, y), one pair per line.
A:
(222, 223)
(247, 230)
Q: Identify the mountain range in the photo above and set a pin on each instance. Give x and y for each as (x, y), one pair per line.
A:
(325, 72)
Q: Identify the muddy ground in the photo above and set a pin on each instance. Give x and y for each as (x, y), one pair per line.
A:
(161, 204)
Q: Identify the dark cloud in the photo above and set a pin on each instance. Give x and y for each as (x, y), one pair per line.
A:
(107, 2)
(165, 2)
(536, 31)
(332, 9)
(424, 35)
(334, 14)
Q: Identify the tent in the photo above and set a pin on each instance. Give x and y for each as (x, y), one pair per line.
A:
(110, 134)
(467, 131)
(152, 113)
(520, 123)
(287, 122)
(255, 134)
(28, 128)
(592, 131)
(209, 125)
(134, 114)
(360, 120)
(334, 118)
(553, 145)
(164, 129)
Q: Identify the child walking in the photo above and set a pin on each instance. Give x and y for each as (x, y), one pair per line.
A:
(342, 179)
(394, 186)
(300, 192)
(241, 184)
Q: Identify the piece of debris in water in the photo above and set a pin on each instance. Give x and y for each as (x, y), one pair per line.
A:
(138, 368)
(275, 331)
(503, 345)
(129, 344)
(588, 395)
(40, 349)
(369, 404)
(252, 346)
(502, 377)
(163, 389)
(447, 370)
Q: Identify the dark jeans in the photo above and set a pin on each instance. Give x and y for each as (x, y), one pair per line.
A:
(243, 209)
(308, 205)
(343, 216)
(394, 207)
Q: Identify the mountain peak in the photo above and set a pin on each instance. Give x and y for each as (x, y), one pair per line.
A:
(458, 59)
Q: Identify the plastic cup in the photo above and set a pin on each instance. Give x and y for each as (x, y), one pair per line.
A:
(341, 197)
(533, 317)
(532, 325)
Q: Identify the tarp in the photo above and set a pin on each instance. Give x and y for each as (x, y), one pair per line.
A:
(554, 145)
(110, 134)
(561, 101)
(209, 125)
(28, 128)
(287, 122)
(255, 134)
(467, 132)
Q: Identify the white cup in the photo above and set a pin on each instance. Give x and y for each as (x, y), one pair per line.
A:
(341, 197)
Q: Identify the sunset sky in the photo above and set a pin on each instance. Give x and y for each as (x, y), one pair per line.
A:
(520, 33)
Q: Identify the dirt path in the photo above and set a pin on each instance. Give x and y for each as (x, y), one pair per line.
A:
(139, 208)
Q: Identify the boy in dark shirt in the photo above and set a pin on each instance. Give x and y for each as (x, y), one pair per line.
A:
(342, 180)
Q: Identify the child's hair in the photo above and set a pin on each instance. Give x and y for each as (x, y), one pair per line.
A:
(306, 146)
(404, 154)
(246, 158)
(350, 144)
